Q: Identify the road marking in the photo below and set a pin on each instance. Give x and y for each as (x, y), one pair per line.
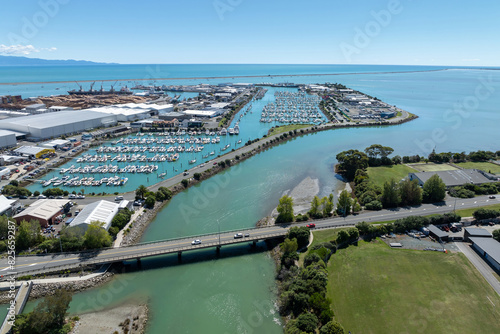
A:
(490, 301)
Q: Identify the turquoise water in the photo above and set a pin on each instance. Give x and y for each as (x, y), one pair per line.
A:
(225, 294)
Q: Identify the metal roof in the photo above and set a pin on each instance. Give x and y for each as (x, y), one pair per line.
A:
(437, 232)
(52, 119)
(102, 211)
(473, 231)
(31, 150)
(5, 203)
(456, 177)
(44, 208)
(490, 246)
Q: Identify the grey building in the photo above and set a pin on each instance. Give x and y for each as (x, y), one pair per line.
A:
(59, 123)
(473, 232)
(453, 178)
(488, 248)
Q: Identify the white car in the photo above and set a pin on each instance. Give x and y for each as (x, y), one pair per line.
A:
(196, 242)
(238, 235)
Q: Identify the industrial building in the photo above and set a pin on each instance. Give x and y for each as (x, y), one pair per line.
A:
(59, 123)
(473, 232)
(44, 210)
(102, 211)
(7, 138)
(6, 205)
(33, 151)
(488, 248)
(134, 111)
(453, 178)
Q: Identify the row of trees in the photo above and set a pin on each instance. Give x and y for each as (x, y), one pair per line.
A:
(303, 289)
(406, 224)
(471, 190)
(476, 156)
(320, 208)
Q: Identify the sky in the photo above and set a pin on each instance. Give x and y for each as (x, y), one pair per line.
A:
(396, 32)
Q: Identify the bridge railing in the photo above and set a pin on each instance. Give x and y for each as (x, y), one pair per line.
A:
(241, 230)
(93, 261)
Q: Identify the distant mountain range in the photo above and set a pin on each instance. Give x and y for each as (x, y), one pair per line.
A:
(24, 61)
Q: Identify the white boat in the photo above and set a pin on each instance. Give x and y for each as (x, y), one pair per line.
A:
(212, 153)
(230, 131)
(162, 175)
(192, 161)
(223, 132)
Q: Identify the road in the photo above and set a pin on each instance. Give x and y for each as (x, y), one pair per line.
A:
(481, 266)
(30, 264)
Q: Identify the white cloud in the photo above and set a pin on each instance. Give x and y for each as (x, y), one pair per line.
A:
(21, 49)
(474, 59)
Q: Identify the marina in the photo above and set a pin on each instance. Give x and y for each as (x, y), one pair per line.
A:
(293, 107)
(142, 158)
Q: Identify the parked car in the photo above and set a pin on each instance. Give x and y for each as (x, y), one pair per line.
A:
(312, 225)
(196, 242)
(119, 198)
(42, 197)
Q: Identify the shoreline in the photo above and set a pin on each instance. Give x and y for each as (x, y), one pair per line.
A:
(222, 77)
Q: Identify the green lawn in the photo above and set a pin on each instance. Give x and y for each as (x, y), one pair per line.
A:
(485, 166)
(379, 175)
(376, 289)
(286, 128)
(432, 167)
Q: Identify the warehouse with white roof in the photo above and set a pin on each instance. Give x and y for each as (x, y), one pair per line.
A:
(59, 123)
(102, 211)
(7, 138)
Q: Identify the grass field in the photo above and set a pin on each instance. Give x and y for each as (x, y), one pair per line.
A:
(376, 289)
(432, 167)
(485, 166)
(379, 175)
(286, 128)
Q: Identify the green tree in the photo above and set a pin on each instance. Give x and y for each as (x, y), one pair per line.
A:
(410, 192)
(289, 246)
(332, 327)
(285, 210)
(197, 176)
(356, 207)
(47, 317)
(4, 227)
(28, 234)
(496, 235)
(185, 182)
(141, 191)
(150, 201)
(376, 149)
(390, 195)
(328, 205)
(315, 205)
(307, 322)
(350, 161)
(96, 236)
(299, 233)
(344, 203)
(434, 189)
